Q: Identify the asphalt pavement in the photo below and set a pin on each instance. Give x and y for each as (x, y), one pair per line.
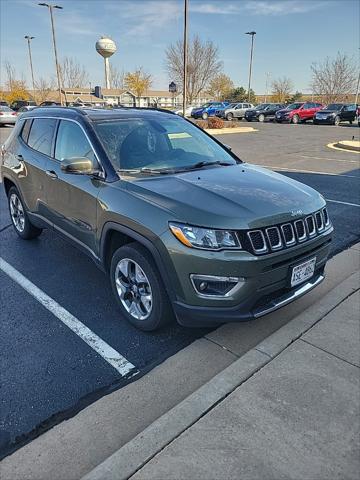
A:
(49, 373)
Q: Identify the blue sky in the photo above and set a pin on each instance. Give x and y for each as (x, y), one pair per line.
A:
(290, 35)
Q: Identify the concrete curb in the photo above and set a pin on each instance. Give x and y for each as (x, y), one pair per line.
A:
(135, 454)
(222, 131)
(344, 147)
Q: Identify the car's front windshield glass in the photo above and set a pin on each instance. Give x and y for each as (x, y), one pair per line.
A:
(262, 106)
(206, 105)
(334, 106)
(293, 106)
(158, 143)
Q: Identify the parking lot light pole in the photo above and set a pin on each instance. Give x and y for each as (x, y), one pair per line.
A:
(251, 60)
(185, 56)
(28, 38)
(51, 7)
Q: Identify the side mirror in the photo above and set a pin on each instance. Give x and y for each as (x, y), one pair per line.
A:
(78, 165)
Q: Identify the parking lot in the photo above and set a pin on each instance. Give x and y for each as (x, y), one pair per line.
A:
(49, 372)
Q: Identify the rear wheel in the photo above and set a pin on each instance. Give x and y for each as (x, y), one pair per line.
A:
(261, 117)
(296, 119)
(337, 120)
(138, 288)
(19, 217)
(350, 121)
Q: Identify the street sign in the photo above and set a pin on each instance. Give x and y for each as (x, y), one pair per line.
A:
(172, 87)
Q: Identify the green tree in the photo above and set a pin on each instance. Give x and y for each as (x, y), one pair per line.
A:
(239, 94)
(297, 97)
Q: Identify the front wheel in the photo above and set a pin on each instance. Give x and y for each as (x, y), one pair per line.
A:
(229, 116)
(337, 120)
(138, 288)
(261, 118)
(296, 119)
(205, 116)
(19, 217)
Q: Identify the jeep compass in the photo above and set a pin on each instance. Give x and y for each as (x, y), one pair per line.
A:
(181, 225)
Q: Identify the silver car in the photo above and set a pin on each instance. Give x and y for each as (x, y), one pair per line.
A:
(237, 110)
(7, 116)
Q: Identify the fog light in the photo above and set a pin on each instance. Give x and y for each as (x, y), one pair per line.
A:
(214, 286)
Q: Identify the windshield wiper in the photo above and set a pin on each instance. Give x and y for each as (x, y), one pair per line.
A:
(205, 164)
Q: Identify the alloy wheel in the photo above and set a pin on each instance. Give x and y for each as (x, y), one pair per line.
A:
(133, 288)
(17, 212)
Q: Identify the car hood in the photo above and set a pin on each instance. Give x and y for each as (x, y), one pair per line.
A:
(238, 197)
(327, 112)
(284, 110)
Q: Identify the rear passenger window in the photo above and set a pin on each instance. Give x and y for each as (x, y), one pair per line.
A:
(41, 135)
(25, 130)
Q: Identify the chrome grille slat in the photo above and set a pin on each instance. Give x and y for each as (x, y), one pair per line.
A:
(288, 234)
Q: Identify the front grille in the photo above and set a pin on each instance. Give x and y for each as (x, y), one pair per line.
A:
(286, 235)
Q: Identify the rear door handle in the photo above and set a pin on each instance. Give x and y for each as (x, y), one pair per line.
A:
(51, 174)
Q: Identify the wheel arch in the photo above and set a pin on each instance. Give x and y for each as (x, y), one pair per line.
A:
(115, 235)
(8, 183)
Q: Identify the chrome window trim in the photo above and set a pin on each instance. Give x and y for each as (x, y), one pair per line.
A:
(303, 237)
(102, 173)
(293, 241)
(257, 250)
(279, 245)
(313, 233)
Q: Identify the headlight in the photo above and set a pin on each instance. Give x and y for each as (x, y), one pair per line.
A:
(206, 238)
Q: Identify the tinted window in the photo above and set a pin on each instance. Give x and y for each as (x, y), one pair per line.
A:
(72, 142)
(25, 130)
(41, 134)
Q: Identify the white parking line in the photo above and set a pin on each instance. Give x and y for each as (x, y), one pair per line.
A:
(343, 203)
(110, 355)
(331, 159)
(296, 170)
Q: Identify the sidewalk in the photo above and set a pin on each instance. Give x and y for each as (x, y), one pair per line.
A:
(292, 414)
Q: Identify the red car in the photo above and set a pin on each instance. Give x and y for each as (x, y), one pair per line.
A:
(298, 112)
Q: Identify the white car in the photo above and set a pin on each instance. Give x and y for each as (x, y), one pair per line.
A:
(7, 116)
(188, 111)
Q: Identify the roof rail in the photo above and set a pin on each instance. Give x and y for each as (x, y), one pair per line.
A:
(76, 109)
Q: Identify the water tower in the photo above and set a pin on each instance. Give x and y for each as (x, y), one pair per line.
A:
(106, 47)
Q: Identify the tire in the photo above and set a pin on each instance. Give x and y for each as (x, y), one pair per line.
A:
(248, 120)
(229, 116)
(156, 310)
(19, 217)
(205, 116)
(295, 119)
(261, 118)
(337, 120)
(315, 122)
(351, 122)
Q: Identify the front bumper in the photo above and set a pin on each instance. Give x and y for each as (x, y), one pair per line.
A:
(327, 121)
(266, 287)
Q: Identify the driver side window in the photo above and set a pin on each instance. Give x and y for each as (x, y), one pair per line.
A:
(71, 142)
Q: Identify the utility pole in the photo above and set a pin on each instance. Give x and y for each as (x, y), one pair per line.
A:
(51, 7)
(28, 38)
(268, 74)
(251, 60)
(185, 55)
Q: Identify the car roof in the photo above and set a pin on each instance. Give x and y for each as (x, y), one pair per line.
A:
(94, 114)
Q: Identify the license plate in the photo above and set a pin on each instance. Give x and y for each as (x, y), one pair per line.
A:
(302, 272)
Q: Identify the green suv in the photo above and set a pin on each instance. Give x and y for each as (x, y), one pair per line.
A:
(183, 227)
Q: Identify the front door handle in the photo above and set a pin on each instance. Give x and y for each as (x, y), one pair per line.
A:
(51, 174)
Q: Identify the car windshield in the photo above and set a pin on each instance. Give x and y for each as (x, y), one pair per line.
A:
(232, 105)
(158, 144)
(262, 106)
(5, 109)
(293, 106)
(334, 106)
(206, 105)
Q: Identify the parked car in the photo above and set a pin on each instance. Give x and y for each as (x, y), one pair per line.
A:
(298, 112)
(335, 113)
(7, 116)
(234, 110)
(188, 110)
(208, 109)
(178, 221)
(3, 103)
(17, 104)
(263, 111)
(49, 103)
(26, 108)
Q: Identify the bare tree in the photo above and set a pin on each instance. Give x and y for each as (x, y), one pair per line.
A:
(281, 89)
(43, 89)
(220, 87)
(138, 82)
(334, 78)
(203, 65)
(116, 77)
(73, 74)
